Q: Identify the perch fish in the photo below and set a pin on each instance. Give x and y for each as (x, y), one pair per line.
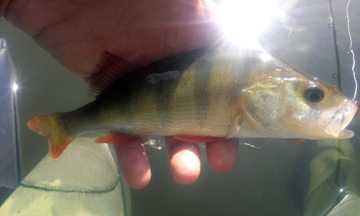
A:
(204, 96)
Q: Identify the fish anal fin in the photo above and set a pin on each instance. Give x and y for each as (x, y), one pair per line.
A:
(116, 138)
(296, 140)
(109, 69)
(199, 139)
(57, 145)
(234, 126)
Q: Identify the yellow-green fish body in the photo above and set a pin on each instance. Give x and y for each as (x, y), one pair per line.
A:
(227, 92)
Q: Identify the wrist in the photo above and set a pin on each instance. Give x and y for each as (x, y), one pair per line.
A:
(4, 5)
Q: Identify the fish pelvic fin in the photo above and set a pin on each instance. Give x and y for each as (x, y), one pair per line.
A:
(199, 139)
(117, 138)
(49, 126)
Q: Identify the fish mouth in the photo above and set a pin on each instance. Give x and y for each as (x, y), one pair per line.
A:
(340, 119)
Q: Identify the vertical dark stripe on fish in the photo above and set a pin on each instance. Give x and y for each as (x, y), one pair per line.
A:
(113, 101)
(245, 69)
(202, 96)
(164, 91)
(124, 102)
(243, 73)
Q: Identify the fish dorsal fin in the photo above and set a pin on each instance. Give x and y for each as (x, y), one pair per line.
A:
(110, 69)
(180, 61)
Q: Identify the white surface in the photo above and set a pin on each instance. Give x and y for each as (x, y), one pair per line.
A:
(84, 180)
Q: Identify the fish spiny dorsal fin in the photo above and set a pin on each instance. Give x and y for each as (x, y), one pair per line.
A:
(181, 61)
(110, 69)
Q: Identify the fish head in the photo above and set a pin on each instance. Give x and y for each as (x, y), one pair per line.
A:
(285, 103)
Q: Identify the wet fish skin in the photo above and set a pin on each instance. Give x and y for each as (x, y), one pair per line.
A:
(227, 92)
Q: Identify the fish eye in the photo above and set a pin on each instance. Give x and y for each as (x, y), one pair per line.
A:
(314, 94)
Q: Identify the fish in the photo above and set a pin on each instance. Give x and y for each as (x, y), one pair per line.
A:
(204, 95)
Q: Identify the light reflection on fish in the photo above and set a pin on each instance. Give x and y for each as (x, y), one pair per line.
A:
(224, 93)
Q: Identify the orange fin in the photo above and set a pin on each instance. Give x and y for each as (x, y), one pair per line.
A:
(49, 126)
(199, 139)
(116, 138)
(57, 145)
(110, 69)
(296, 140)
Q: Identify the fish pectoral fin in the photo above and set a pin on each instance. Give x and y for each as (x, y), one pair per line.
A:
(116, 138)
(199, 139)
(234, 126)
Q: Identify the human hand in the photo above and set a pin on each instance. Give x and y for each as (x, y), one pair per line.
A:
(79, 33)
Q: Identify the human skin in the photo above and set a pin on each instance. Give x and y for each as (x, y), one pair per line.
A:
(78, 34)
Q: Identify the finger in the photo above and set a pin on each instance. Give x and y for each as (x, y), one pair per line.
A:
(222, 155)
(134, 164)
(184, 161)
(4, 5)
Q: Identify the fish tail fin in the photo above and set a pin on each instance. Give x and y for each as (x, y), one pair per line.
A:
(50, 125)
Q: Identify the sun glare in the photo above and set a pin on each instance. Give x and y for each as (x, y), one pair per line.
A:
(243, 20)
(15, 87)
